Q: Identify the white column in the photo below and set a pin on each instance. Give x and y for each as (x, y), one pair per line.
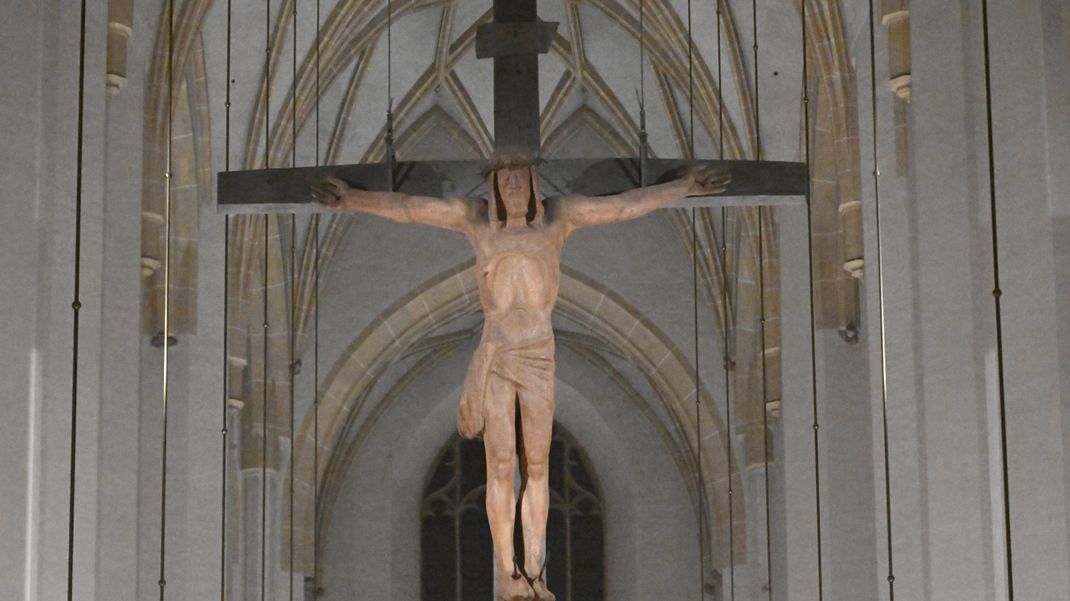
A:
(798, 578)
(54, 29)
(1038, 467)
(20, 357)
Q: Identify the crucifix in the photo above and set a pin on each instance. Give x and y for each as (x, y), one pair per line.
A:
(517, 235)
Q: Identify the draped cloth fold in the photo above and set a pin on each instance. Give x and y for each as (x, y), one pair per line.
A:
(528, 366)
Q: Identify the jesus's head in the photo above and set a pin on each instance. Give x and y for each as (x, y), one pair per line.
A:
(514, 191)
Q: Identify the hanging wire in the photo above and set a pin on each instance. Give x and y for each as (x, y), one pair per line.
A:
(726, 325)
(293, 293)
(765, 411)
(997, 294)
(690, 86)
(643, 140)
(391, 158)
(813, 307)
(224, 430)
(166, 293)
(76, 304)
(698, 414)
(264, 428)
(264, 399)
(761, 317)
(880, 307)
(694, 283)
(316, 347)
(720, 92)
(757, 103)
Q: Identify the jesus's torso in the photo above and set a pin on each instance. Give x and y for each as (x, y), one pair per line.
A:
(519, 271)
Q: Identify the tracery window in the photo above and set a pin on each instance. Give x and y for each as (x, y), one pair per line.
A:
(456, 549)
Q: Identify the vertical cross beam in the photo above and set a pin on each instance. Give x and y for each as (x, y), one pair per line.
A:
(514, 40)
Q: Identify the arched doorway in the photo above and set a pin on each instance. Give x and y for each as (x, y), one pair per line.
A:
(455, 544)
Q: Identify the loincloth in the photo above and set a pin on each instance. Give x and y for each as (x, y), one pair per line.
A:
(529, 367)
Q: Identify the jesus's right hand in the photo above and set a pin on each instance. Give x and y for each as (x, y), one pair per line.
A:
(331, 193)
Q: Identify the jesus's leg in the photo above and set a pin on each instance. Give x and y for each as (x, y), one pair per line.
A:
(500, 440)
(537, 420)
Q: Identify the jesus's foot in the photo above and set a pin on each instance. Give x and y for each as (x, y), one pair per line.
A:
(541, 592)
(513, 587)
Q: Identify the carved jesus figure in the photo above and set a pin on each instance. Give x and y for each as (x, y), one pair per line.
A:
(517, 237)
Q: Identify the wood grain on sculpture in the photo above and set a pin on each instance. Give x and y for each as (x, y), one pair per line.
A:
(517, 236)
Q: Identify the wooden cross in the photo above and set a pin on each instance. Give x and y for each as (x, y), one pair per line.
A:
(514, 40)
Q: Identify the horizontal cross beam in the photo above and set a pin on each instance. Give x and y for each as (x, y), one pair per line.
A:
(290, 190)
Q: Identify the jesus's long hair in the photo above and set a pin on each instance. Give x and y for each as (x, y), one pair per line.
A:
(496, 212)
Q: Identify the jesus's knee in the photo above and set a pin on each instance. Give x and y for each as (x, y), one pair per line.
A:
(536, 470)
(501, 465)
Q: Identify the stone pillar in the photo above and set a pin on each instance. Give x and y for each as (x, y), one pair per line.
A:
(797, 574)
(1038, 465)
(20, 262)
(943, 401)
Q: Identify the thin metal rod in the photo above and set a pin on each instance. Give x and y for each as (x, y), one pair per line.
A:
(690, 86)
(293, 319)
(390, 54)
(76, 304)
(317, 83)
(293, 295)
(698, 412)
(694, 283)
(880, 307)
(761, 317)
(264, 392)
(316, 347)
(757, 102)
(765, 410)
(813, 307)
(997, 294)
(162, 582)
(267, 87)
(726, 323)
(643, 139)
(316, 418)
(642, 53)
(264, 427)
(728, 406)
(224, 430)
(720, 100)
(391, 158)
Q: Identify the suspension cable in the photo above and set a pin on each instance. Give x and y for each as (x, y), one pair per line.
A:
(293, 294)
(726, 323)
(316, 346)
(761, 317)
(264, 392)
(813, 307)
(391, 158)
(997, 294)
(694, 282)
(76, 304)
(643, 140)
(224, 430)
(880, 307)
(162, 582)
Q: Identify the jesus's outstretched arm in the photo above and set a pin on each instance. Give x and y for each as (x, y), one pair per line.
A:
(583, 211)
(450, 213)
